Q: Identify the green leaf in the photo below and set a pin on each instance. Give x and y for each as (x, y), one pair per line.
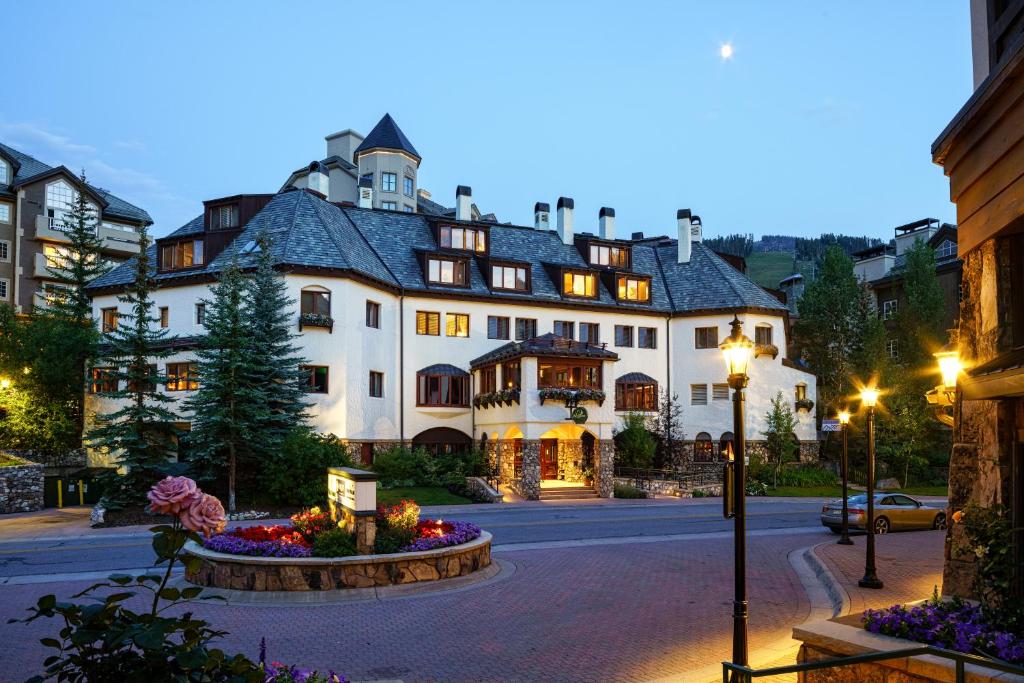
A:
(121, 579)
(170, 594)
(191, 592)
(50, 642)
(118, 597)
(47, 602)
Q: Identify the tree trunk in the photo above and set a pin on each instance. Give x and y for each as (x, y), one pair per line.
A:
(231, 477)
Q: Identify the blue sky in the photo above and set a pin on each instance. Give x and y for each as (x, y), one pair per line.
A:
(822, 120)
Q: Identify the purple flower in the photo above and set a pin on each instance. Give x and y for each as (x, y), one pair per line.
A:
(462, 532)
(234, 545)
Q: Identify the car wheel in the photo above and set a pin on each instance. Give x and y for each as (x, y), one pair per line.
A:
(882, 525)
(940, 521)
(835, 530)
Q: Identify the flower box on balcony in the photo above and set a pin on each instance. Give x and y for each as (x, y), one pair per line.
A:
(766, 350)
(805, 404)
(579, 395)
(316, 320)
(495, 398)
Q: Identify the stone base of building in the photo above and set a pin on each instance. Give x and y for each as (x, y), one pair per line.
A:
(239, 572)
(21, 487)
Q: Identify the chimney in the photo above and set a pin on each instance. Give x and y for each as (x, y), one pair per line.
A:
(696, 230)
(684, 227)
(318, 180)
(565, 207)
(343, 144)
(464, 203)
(366, 192)
(606, 221)
(541, 215)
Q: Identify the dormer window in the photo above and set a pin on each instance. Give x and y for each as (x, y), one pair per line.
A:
(5, 176)
(946, 250)
(181, 255)
(606, 255)
(224, 217)
(469, 239)
(511, 277)
(576, 283)
(447, 271)
(630, 288)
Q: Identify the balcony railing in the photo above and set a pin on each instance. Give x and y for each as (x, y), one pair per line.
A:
(316, 320)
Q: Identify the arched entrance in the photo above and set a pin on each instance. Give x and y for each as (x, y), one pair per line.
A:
(589, 443)
(440, 440)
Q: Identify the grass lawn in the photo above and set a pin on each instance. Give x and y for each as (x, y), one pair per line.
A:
(8, 461)
(423, 495)
(926, 490)
(767, 268)
(837, 491)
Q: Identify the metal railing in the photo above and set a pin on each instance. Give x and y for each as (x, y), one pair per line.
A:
(735, 673)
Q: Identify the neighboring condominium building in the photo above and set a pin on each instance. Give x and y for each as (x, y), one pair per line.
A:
(34, 199)
(453, 332)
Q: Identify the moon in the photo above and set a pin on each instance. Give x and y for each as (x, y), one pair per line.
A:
(725, 51)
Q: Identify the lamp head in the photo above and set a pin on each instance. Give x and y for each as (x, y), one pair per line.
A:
(949, 366)
(844, 417)
(737, 350)
(869, 396)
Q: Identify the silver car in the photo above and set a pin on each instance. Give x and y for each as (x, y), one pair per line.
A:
(893, 512)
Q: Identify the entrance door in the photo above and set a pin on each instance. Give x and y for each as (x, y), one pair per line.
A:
(549, 458)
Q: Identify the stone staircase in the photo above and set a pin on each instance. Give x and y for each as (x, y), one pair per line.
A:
(567, 492)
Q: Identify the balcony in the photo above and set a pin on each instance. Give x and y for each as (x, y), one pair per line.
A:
(40, 268)
(51, 229)
(120, 241)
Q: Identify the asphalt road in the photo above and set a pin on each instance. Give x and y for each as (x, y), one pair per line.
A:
(510, 525)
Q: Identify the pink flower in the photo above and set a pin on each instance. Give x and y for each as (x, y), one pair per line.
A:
(173, 494)
(205, 514)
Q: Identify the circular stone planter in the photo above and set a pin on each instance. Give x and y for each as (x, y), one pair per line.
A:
(244, 572)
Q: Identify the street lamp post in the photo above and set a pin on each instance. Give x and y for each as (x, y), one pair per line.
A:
(869, 397)
(737, 350)
(844, 421)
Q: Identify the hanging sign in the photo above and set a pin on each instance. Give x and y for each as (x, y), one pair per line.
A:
(830, 426)
(579, 415)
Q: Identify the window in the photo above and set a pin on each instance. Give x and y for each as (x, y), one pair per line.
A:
(763, 335)
(56, 257)
(636, 396)
(579, 284)
(5, 178)
(470, 239)
(512, 374)
(389, 206)
(633, 288)
(54, 292)
(121, 227)
(59, 198)
(510, 277)
(428, 322)
(150, 385)
(442, 390)
(946, 250)
(388, 182)
(165, 317)
(590, 333)
(200, 314)
(408, 186)
(719, 392)
(181, 255)
(647, 337)
(703, 448)
(182, 377)
(109, 319)
(698, 394)
(497, 327)
(489, 379)
(565, 329)
(5, 288)
(5, 213)
(706, 338)
(456, 325)
(376, 384)
(893, 347)
(890, 308)
(602, 255)
(315, 302)
(526, 328)
(224, 217)
(624, 335)
(801, 392)
(103, 380)
(447, 271)
(568, 374)
(314, 378)
(408, 209)
(373, 314)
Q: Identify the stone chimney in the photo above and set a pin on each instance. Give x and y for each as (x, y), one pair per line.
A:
(366, 192)
(565, 210)
(684, 227)
(318, 179)
(696, 230)
(541, 215)
(464, 203)
(606, 222)
(343, 144)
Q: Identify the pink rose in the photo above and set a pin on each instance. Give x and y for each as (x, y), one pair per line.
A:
(205, 514)
(172, 494)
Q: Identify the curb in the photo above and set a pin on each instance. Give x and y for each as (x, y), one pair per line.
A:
(840, 598)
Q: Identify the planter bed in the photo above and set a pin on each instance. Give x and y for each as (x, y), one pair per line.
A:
(243, 572)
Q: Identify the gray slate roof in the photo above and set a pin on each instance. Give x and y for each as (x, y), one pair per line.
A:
(30, 167)
(386, 246)
(636, 378)
(387, 135)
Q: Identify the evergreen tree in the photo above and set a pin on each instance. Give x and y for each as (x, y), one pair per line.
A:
(141, 434)
(668, 429)
(919, 320)
(229, 407)
(634, 445)
(781, 445)
(275, 354)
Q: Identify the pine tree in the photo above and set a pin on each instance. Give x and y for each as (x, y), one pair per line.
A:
(668, 428)
(229, 407)
(781, 443)
(919, 320)
(141, 434)
(275, 355)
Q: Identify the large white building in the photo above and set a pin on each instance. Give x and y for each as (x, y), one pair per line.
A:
(437, 328)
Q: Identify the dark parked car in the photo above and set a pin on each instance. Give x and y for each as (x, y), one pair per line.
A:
(893, 512)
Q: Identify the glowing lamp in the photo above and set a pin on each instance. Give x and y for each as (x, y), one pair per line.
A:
(844, 417)
(949, 366)
(737, 350)
(5, 383)
(869, 396)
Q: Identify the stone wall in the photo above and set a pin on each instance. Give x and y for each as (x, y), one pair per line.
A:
(481, 488)
(528, 485)
(21, 487)
(570, 460)
(604, 468)
(667, 487)
(237, 572)
(72, 458)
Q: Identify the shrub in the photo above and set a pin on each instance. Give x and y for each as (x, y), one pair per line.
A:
(626, 491)
(806, 476)
(392, 540)
(298, 474)
(757, 488)
(699, 493)
(403, 467)
(402, 516)
(334, 543)
(311, 522)
(634, 444)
